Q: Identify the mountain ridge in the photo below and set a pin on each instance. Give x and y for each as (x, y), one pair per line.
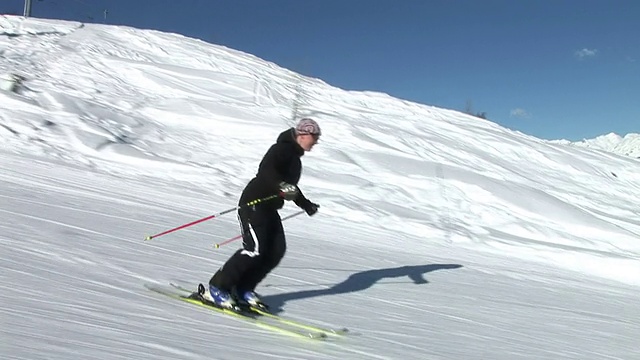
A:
(628, 145)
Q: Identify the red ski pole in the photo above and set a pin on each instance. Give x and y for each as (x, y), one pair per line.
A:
(239, 236)
(251, 203)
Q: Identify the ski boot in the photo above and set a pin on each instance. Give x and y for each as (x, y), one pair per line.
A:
(217, 297)
(253, 300)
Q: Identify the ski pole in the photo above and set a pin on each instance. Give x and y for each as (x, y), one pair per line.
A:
(250, 203)
(239, 236)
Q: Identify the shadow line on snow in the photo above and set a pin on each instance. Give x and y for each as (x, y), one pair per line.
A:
(358, 282)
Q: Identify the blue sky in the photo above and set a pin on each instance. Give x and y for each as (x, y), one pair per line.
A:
(550, 68)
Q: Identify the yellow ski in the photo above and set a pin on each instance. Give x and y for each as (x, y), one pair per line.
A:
(285, 320)
(247, 316)
(299, 324)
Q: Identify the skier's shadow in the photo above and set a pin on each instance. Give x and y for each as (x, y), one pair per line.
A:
(358, 282)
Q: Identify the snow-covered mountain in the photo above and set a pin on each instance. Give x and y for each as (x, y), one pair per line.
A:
(628, 145)
(440, 236)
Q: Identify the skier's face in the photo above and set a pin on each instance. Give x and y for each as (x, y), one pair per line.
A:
(307, 141)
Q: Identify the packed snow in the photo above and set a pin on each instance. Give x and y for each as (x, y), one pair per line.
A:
(440, 235)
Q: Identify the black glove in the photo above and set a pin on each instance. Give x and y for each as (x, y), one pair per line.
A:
(288, 191)
(311, 208)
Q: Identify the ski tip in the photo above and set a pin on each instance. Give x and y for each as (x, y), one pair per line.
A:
(148, 237)
(217, 246)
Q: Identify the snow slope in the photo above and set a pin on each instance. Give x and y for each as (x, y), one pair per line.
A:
(440, 235)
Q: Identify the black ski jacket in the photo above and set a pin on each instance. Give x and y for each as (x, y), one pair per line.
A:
(280, 163)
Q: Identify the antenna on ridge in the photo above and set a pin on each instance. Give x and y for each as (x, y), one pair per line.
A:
(27, 8)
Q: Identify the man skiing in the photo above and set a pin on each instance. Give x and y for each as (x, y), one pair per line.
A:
(264, 244)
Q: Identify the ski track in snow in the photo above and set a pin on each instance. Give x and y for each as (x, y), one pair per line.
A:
(440, 236)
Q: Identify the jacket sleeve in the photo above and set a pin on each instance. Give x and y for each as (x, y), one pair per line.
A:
(270, 168)
(301, 200)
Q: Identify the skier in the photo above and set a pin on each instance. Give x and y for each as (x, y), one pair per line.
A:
(264, 244)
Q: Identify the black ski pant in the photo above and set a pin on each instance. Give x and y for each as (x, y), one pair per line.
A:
(263, 246)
